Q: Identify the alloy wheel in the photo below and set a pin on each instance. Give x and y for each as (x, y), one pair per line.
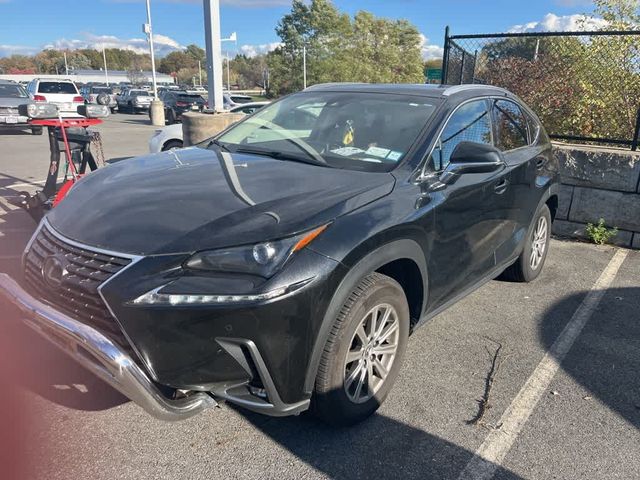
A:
(371, 353)
(538, 243)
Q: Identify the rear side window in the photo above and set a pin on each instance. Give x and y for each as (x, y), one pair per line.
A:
(57, 87)
(470, 123)
(511, 126)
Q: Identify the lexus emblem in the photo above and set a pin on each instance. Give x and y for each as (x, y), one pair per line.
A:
(53, 271)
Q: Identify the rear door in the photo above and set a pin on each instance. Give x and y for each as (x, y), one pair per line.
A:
(468, 225)
(516, 140)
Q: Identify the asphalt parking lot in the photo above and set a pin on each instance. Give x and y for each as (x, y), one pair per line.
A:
(565, 401)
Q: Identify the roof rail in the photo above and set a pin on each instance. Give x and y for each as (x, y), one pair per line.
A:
(463, 88)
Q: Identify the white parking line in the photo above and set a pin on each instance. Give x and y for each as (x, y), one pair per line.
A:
(34, 183)
(495, 447)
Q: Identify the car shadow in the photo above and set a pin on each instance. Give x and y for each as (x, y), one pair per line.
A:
(40, 367)
(605, 359)
(379, 447)
(16, 131)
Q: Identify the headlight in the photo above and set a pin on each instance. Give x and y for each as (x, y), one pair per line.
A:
(263, 259)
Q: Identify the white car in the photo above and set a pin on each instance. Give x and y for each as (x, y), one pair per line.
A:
(170, 137)
(62, 93)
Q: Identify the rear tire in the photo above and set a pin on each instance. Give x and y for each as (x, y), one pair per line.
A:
(171, 116)
(530, 262)
(354, 376)
(36, 130)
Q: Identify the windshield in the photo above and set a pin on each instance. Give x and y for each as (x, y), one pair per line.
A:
(359, 131)
(12, 91)
(57, 87)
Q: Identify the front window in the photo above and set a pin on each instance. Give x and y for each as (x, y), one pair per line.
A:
(99, 90)
(12, 91)
(469, 123)
(359, 131)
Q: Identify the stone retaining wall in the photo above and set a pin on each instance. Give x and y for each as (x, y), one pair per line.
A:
(599, 183)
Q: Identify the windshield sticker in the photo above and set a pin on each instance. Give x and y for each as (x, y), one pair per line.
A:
(347, 151)
(394, 155)
(378, 152)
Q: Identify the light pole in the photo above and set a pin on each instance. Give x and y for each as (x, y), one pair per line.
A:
(232, 38)
(104, 59)
(304, 66)
(156, 110)
(214, 53)
(148, 29)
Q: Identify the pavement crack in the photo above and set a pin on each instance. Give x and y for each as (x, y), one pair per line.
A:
(484, 403)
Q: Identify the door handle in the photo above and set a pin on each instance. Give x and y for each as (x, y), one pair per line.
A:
(501, 186)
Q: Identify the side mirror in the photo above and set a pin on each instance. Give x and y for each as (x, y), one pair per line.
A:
(471, 157)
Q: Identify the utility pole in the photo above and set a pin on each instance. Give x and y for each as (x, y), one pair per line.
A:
(214, 53)
(200, 71)
(66, 65)
(106, 73)
(228, 74)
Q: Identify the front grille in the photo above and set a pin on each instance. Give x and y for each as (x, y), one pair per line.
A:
(77, 295)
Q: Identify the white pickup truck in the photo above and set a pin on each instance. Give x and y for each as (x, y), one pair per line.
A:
(134, 100)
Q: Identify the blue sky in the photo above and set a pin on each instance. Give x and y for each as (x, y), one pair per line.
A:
(28, 25)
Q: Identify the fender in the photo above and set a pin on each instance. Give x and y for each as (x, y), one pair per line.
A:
(395, 250)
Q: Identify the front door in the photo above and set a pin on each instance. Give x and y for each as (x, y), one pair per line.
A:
(468, 221)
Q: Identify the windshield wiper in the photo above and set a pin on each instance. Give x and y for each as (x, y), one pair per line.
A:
(278, 155)
(218, 144)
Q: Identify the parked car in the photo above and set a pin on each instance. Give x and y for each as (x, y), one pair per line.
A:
(171, 137)
(178, 102)
(62, 93)
(12, 95)
(278, 268)
(134, 100)
(248, 108)
(100, 95)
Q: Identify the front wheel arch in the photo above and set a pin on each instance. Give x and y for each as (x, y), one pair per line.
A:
(374, 261)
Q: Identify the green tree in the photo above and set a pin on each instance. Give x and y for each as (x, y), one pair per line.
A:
(340, 48)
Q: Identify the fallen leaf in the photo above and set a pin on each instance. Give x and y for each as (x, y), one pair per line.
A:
(554, 392)
(586, 397)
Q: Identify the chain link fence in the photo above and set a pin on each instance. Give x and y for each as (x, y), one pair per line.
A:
(585, 86)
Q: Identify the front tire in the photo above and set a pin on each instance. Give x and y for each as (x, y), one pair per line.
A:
(364, 351)
(531, 260)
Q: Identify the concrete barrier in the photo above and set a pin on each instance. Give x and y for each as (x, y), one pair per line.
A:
(598, 183)
(197, 127)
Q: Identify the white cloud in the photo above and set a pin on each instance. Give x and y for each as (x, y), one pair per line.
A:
(8, 50)
(253, 50)
(162, 44)
(566, 23)
(430, 51)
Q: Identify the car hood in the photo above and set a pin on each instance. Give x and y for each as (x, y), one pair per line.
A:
(194, 199)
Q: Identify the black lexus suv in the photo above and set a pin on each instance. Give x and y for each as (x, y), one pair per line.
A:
(283, 264)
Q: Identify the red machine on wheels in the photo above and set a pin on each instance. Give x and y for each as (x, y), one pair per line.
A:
(75, 139)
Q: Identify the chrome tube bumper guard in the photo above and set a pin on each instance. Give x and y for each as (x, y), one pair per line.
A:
(101, 356)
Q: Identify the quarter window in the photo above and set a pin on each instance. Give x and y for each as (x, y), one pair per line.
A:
(470, 123)
(511, 126)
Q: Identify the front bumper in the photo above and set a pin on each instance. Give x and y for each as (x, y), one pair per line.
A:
(101, 356)
(14, 121)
